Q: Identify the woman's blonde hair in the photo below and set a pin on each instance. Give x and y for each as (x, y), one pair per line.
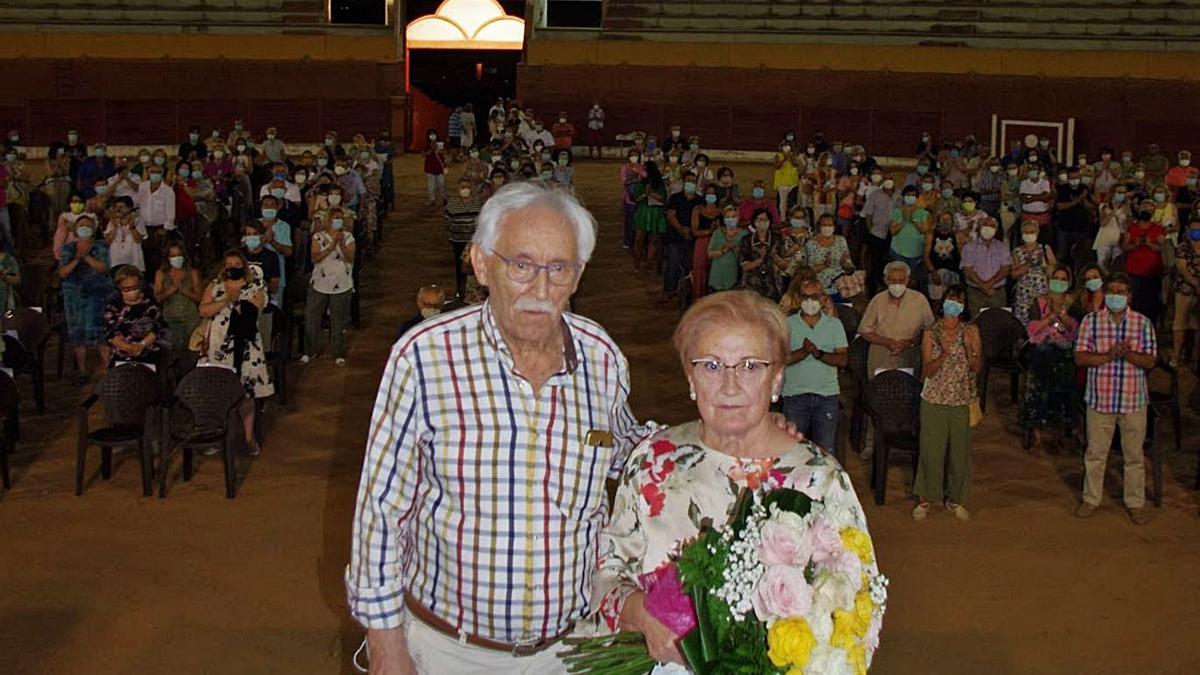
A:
(732, 309)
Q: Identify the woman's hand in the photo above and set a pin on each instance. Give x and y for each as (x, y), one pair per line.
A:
(660, 640)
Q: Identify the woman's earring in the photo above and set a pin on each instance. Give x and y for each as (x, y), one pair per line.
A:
(774, 398)
(692, 394)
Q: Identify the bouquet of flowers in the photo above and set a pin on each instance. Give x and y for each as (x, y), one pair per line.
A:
(786, 586)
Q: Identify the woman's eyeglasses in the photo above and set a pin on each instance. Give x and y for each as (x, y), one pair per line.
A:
(745, 370)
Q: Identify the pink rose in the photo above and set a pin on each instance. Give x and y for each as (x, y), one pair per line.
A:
(782, 592)
(824, 542)
(782, 545)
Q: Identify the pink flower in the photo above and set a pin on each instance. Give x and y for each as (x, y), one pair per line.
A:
(666, 601)
(824, 542)
(782, 592)
(783, 545)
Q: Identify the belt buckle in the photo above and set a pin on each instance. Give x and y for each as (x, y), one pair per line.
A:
(527, 648)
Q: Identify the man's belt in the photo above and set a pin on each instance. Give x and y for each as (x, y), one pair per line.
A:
(438, 624)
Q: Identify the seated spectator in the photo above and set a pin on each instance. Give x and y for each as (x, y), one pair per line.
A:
(1050, 395)
(330, 287)
(986, 263)
(86, 287)
(1143, 245)
(827, 253)
(893, 323)
(124, 235)
(233, 301)
(723, 248)
(818, 347)
(1031, 265)
(178, 289)
(952, 355)
(133, 323)
(430, 300)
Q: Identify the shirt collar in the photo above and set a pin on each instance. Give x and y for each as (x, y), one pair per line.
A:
(495, 340)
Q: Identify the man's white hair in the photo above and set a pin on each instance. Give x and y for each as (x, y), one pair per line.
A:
(897, 265)
(520, 196)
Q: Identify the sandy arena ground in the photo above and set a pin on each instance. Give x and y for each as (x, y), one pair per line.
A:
(112, 582)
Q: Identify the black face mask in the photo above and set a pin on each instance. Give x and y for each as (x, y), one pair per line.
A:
(1145, 215)
(235, 273)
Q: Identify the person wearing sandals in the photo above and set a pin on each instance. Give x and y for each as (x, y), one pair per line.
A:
(951, 351)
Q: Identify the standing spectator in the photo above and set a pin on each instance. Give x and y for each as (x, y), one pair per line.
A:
(678, 246)
(86, 286)
(1050, 395)
(133, 323)
(943, 259)
(786, 177)
(1117, 347)
(818, 347)
(1031, 265)
(178, 289)
(10, 279)
(1115, 215)
(705, 219)
(193, 148)
(595, 125)
(1036, 199)
(759, 273)
(756, 202)
(6, 236)
(124, 235)
(989, 184)
(156, 213)
(1075, 210)
(1143, 247)
(1178, 175)
(986, 263)
(1155, 163)
(64, 229)
(95, 168)
(563, 133)
(828, 255)
(1091, 296)
(893, 323)
(331, 286)
(952, 355)
(462, 212)
(877, 211)
(564, 168)
(273, 148)
(435, 169)
(910, 224)
(651, 219)
(468, 133)
(723, 252)
(1186, 286)
(454, 131)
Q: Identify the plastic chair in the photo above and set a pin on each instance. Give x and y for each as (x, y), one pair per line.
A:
(1162, 404)
(10, 430)
(892, 401)
(26, 353)
(856, 366)
(849, 318)
(279, 352)
(203, 413)
(131, 394)
(1002, 336)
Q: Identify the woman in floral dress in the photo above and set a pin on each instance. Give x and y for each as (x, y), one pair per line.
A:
(734, 348)
(1051, 397)
(1031, 265)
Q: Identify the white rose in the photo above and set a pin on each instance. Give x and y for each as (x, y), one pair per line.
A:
(832, 591)
(827, 660)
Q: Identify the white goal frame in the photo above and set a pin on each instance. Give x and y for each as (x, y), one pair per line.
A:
(1064, 131)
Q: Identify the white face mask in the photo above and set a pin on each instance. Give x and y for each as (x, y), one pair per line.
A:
(464, 192)
(1185, 162)
(827, 231)
(889, 184)
(335, 199)
(1029, 237)
(429, 312)
(987, 232)
(897, 290)
(810, 307)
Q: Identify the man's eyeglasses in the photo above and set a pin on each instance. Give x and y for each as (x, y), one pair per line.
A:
(524, 271)
(746, 370)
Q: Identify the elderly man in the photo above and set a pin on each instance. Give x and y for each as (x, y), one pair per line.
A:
(1117, 347)
(430, 301)
(986, 263)
(894, 322)
(482, 490)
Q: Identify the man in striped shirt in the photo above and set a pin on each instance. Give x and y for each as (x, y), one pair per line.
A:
(483, 488)
(1117, 346)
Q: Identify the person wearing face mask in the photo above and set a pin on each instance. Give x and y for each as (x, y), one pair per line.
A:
(1107, 173)
(988, 184)
(86, 287)
(354, 190)
(563, 133)
(462, 212)
(1166, 213)
(1050, 400)
(1090, 297)
(910, 223)
(877, 212)
(272, 147)
(632, 173)
(954, 167)
(475, 169)
(926, 149)
(496, 180)
(786, 177)
(723, 248)
(76, 151)
(193, 147)
(704, 173)
(1138, 184)
(332, 283)
(650, 219)
(100, 199)
(1186, 285)
(674, 139)
(1178, 175)
(817, 348)
(277, 237)
(595, 130)
(791, 253)
(124, 235)
(706, 219)
(678, 244)
(178, 289)
(672, 173)
(155, 203)
(986, 263)
(237, 134)
(942, 256)
(133, 323)
(564, 169)
(58, 178)
(435, 169)
(1011, 204)
(233, 302)
(1035, 197)
(846, 200)
(1117, 346)
(968, 219)
(64, 231)
(1143, 245)
(1155, 163)
(824, 186)
(430, 301)
(828, 254)
(923, 172)
(758, 271)
(97, 167)
(758, 200)
(727, 190)
(1074, 214)
(1114, 221)
(893, 323)
(952, 356)
(1031, 265)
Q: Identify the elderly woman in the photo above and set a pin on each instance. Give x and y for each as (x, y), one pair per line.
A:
(1031, 265)
(332, 285)
(759, 273)
(133, 323)
(1050, 392)
(828, 254)
(723, 248)
(233, 301)
(706, 217)
(178, 289)
(951, 351)
(733, 347)
(86, 286)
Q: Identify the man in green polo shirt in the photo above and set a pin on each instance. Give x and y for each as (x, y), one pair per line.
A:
(810, 385)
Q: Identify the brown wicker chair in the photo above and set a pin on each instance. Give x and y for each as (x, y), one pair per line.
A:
(856, 367)
(279, 352)
(131, 394)
(26, 353)
(203, 413)
(892, 400)
(10, 430)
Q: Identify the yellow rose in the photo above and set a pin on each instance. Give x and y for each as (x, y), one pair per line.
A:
(846, 631)
(790, 642)
(863, 609)
(859, 542)
(858, 659)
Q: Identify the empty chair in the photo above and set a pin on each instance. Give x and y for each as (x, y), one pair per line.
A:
(1163, 403)
(131, 394)
(203, 414)
(25, 352)
(892, 399)
(857, 369)
(10, 409)
(1003, 337)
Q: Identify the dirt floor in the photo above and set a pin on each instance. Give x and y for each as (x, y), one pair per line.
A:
(112, 582)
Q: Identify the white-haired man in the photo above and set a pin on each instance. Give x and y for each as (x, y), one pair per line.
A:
(894, 321)
(483, 487)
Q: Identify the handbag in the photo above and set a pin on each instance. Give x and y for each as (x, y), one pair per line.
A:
(198, 340)
(975, 414)
(851, 285)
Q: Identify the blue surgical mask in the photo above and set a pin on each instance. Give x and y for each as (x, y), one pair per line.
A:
(689, 187)
(84, 232)
(758, 192)
(952, 308)
(710, 199)
(100, 153)
(280, 176)
(337, 223)
(910, 199)
(269, 213)
(922, 169)
(160, 160)
(1059, 286)
(184, 173)
(278, 193)
(176, 261)
(252, 241)
(101, 190)
(1119, 198)
(156, 178)
(1093, 285)
(1114, 302)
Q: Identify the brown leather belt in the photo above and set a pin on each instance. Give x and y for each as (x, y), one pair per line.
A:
(435, 622)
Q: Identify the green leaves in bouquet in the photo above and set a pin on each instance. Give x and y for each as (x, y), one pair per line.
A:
(788, 500)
